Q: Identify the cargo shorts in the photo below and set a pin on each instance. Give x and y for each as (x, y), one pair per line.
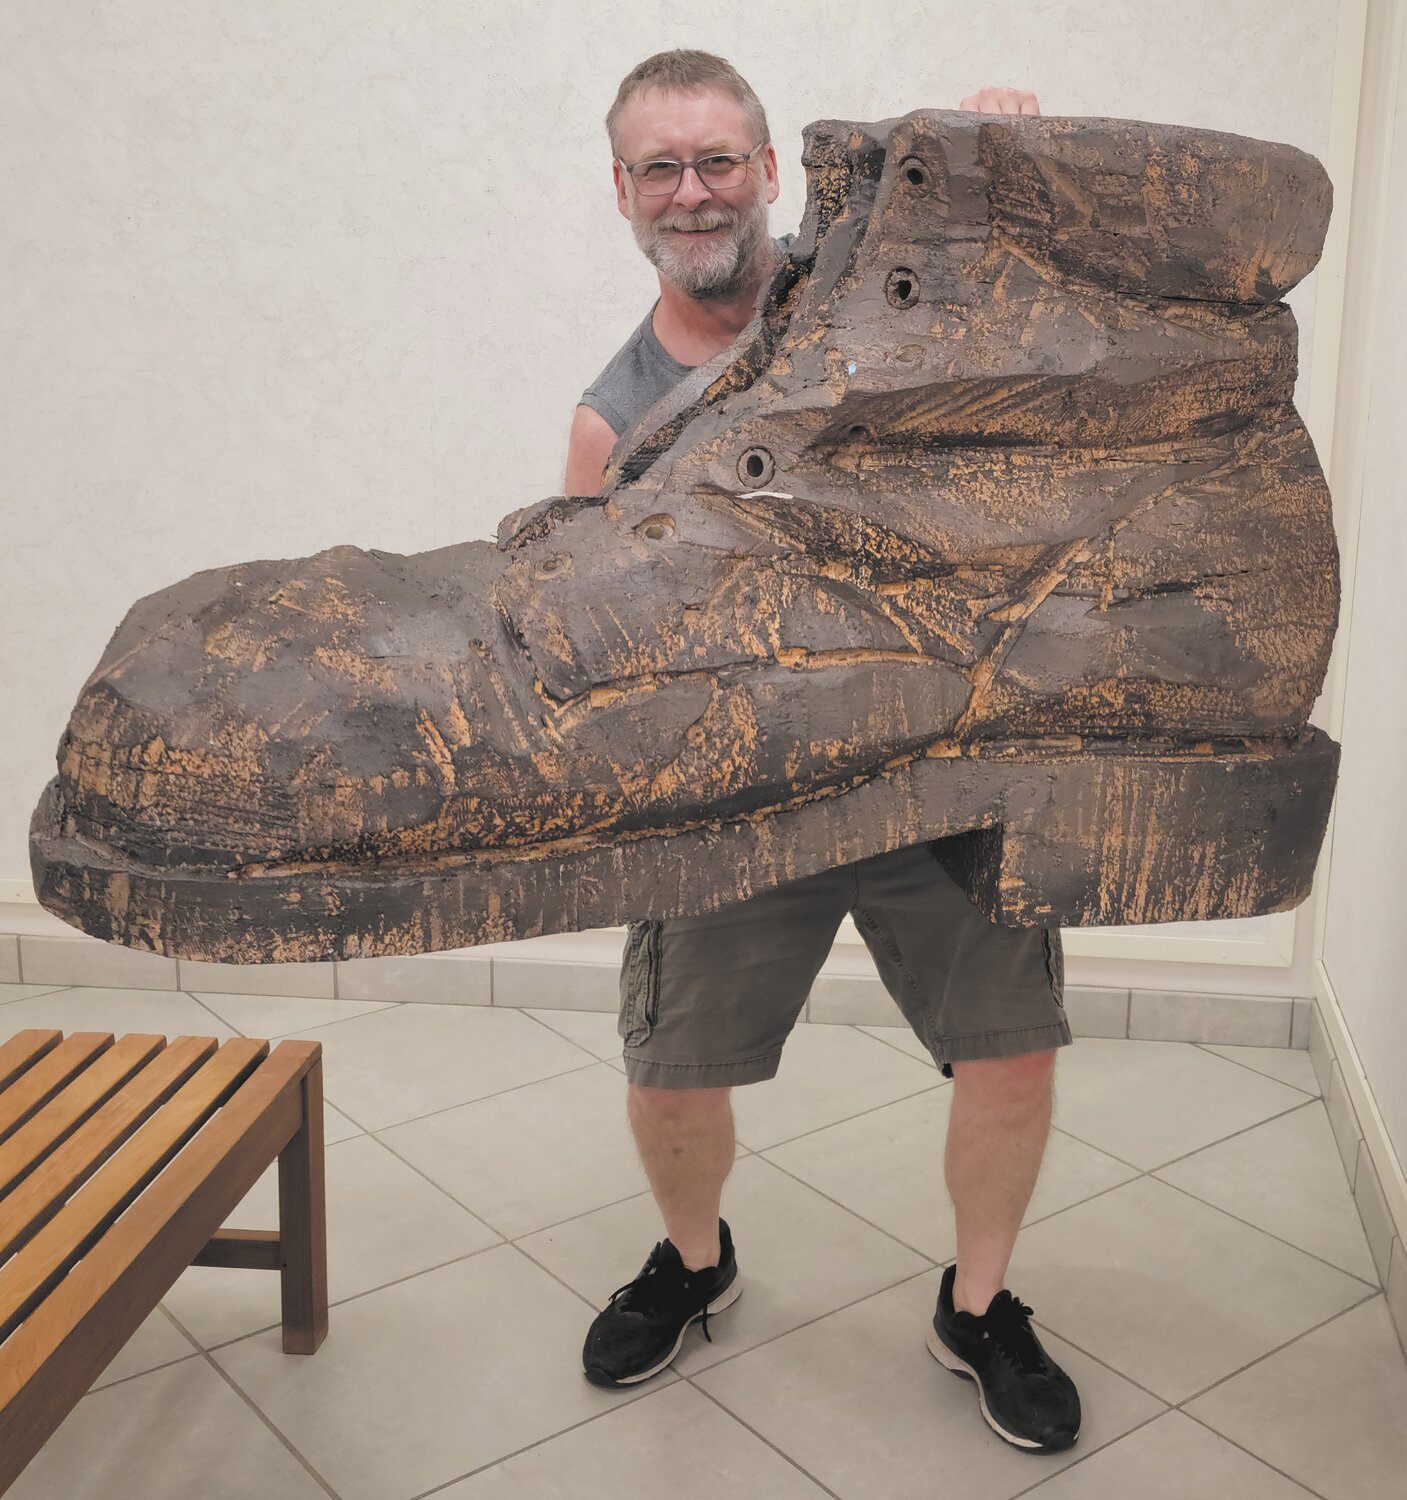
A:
(709, 1001)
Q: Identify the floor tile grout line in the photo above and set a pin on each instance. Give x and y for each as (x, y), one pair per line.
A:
(880, 1291)
(1260, 1072)
(562, 1035)
(285, 1035)
(1259, 1457)
(689, 1379)
(507, 1239)
(517, 1244)
(902, 1051)
(1195, 1395)
(751, 1150)
(859, 1026)
(109, 1385)
(438, 1186)
(180, 1327)
(1206, 1047)
(425, 1271)
(888, 1234)
(1085, 1457)
(1036, 1488)
(258, 1411)
(692, 1379)
(1186, 1155)
(591, 1062)
(199, 1350)
(1290, 1109)
(43, 994)
(639, 1393)
(846, 1120)
(273, 1327)
(214, 1015)
(732, 1415)
(1037, 1322)
(928, 1088)
(1064, 1129)
(1269, 1233)
(760, 1151)
(924, 1255)
(946, 1083)
(1278, 1349)
(584, 1213)
(761, 1437)
(1028, 1224)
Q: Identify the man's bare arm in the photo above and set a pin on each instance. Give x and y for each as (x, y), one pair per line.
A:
(588, 448)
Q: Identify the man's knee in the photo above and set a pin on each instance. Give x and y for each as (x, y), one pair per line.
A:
(676, 1104)
(1030, 1072)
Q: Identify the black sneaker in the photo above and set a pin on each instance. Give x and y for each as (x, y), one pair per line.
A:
(1025, 1396)
(641, 1328)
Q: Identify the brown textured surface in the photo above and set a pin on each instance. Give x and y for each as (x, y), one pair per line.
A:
(999, 509)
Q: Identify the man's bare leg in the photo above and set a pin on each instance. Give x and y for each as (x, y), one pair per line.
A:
(685, 1140)
(997, 1131)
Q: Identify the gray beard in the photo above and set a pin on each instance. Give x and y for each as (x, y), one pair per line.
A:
(716, 274)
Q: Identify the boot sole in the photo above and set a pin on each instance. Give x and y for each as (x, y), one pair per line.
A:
(960, 1367)
(730, 1295)
(1054, 833)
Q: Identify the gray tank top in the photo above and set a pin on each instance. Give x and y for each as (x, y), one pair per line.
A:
(640, 372)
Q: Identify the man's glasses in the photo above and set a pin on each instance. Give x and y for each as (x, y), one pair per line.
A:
(722, 169)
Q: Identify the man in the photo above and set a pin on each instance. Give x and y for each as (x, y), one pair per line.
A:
(707, 1002)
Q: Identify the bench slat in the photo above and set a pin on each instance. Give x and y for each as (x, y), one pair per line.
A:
(20, 1051)
(49, 1073)
(57, 1353)
(44, 1259)
(35, 1201)
(64, 1113)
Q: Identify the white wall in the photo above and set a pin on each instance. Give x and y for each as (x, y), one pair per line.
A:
(1364, 955)
(288, 276)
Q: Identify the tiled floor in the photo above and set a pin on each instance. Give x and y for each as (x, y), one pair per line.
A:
(1191, 1252)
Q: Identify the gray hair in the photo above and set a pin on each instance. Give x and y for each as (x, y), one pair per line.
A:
(689, 71)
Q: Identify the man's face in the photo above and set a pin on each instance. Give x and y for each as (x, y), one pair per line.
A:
(702, 239)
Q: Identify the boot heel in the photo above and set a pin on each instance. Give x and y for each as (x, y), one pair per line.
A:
(1112, 838)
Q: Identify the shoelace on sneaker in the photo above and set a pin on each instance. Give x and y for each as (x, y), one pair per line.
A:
(1007, 1324)
(652, 1291)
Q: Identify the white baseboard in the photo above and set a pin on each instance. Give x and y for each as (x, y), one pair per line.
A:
(1365, 1108)
(1376, 1177)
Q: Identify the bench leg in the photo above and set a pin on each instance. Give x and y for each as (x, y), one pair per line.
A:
(302, 1217)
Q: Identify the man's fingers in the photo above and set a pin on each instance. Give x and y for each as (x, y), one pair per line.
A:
(999, 101)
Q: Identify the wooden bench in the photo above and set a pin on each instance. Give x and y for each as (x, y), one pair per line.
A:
(119, 1162)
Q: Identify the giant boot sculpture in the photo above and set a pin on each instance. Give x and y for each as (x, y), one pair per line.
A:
(997, 526)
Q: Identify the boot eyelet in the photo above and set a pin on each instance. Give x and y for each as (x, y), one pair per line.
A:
(756, 467)
(902, 287)
(656, 528)
(916, 174)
